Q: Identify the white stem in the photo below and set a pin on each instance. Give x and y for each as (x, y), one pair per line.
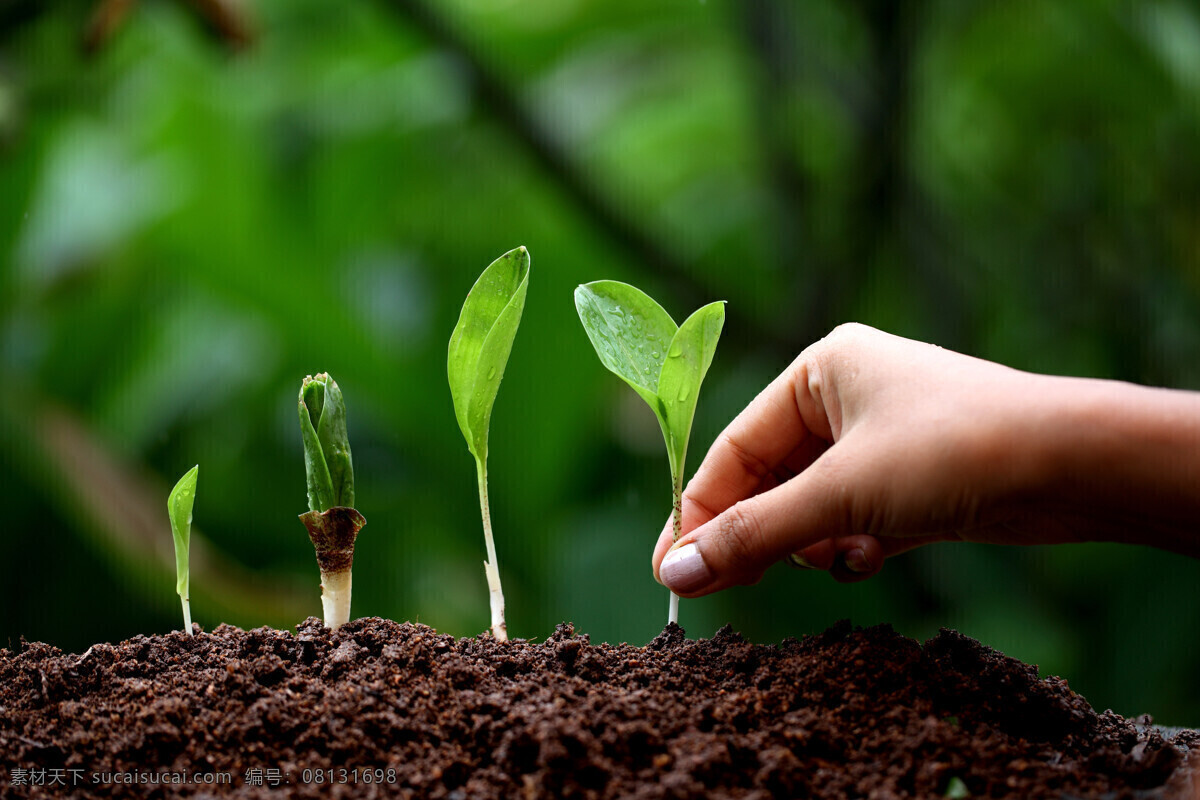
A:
(496, 600)
(335, 598)
(187, 613)
(673, 610)
(490, 568)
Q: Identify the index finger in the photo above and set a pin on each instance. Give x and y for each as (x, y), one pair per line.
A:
(757, 442)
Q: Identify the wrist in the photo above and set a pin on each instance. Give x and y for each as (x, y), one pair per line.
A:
(1119, 462)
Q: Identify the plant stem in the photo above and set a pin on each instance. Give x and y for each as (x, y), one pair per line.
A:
(676, 530)
(676, 507)
(333, 533)
(187, 614)
(496, 593)
(335, 598)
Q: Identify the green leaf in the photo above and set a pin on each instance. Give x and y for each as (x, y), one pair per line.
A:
(638, 341)
(328, 465)
(688, 359)
(179, 508)
(481, 343)
(630, 332)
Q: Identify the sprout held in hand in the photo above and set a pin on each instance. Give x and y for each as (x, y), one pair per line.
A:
(332, 522)
(179, 508)
(479, 349)
(639, 342)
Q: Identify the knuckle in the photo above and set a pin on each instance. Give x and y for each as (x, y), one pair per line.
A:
(741, 539)
(852, 505)
(841, 343)
(693, 507)
(750, 463)
(846, 333)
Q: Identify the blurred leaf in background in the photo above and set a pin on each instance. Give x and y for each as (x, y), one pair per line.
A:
(1016, 181)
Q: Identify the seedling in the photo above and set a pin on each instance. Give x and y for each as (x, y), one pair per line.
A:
(179, 508)
(332, 522)
(664, 363)
(478, 353)
(956, 789)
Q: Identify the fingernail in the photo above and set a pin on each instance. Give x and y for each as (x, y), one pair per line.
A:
(856, 561)
(683, 570)
(799, 562)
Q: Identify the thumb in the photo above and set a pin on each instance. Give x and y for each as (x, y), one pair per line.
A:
(738, 545)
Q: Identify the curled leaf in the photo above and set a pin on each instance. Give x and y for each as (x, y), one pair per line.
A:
(328, 466)
(482, 341)
(688, 359)
(179, 509)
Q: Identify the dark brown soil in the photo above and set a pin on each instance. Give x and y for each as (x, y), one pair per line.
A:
(381, 709)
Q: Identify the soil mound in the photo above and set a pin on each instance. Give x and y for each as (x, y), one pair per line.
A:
(381, 709)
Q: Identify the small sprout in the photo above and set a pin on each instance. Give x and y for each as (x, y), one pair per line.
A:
(332, 522)
(478, 353)
(639, 342)
(179, 508)
(956, 789)
(327, 461)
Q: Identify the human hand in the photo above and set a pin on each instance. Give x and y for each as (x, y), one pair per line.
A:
(870, 444)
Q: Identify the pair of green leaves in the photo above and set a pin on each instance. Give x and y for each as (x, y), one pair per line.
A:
(481, 343)
(327, 463)
(665, 363)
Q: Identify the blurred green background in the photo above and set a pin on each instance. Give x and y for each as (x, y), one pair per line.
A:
(201, 202)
